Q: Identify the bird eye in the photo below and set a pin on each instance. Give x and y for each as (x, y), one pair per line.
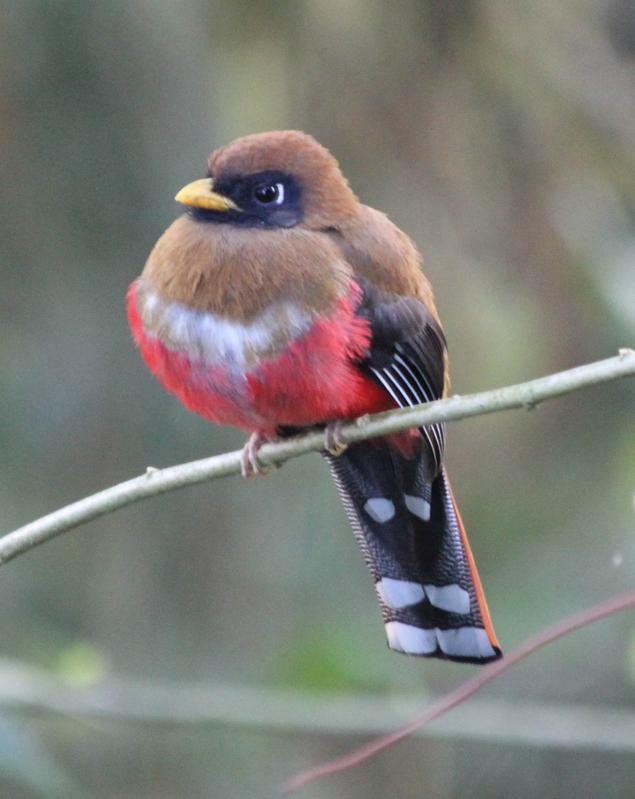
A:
(269, 193)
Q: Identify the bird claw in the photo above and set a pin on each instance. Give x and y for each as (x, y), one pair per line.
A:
(250, 466)
(333, 443)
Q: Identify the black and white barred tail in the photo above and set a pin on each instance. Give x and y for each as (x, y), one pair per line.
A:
(415, 546)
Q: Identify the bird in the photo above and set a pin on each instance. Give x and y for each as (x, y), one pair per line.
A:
(278, 302)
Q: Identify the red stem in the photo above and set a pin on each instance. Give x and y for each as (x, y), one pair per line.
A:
(463, 692)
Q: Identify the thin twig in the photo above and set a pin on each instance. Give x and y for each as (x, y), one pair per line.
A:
(158, 481)
(463, 692)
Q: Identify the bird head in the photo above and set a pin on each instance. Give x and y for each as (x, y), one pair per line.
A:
(278, 179)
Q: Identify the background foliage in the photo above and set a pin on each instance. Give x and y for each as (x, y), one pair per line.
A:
(501, 136)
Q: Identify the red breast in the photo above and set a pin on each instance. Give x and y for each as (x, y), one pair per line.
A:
(311, 378)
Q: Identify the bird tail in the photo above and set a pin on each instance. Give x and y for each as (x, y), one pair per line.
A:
(415, 546)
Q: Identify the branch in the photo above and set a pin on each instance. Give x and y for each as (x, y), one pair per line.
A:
(463, 692)
(159, 481)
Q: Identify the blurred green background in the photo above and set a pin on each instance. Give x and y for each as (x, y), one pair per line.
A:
(501, 136)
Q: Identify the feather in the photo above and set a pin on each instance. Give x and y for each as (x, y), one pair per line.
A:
(413, 543)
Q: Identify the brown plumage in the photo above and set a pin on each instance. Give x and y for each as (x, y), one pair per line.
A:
(329, 201)
(229, 270)
(279, 301)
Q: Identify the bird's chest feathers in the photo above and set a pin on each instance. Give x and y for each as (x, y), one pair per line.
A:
(285, 366)
(212, 340)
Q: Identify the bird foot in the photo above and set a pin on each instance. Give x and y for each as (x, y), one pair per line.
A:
(333, 443)
(250, 466)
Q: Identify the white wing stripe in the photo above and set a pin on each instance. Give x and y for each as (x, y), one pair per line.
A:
(404, 381)
(422, 392)
(437, 430)
(430, 430)
(389, 389)
(415, 365)
(395, 390)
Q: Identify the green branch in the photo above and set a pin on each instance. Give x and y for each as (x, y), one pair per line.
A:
(159, 481)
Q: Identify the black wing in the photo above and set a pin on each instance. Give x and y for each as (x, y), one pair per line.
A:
(401, 507)
(407, 355)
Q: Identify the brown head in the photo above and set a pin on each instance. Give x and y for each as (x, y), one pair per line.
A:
(275, 179)
(276, 220)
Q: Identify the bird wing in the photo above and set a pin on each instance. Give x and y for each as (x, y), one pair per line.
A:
(401, 507)
(407, 355)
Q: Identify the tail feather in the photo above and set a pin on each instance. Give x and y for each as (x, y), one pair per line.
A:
(415, 546)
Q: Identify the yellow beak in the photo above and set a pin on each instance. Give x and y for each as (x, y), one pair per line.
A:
(201, 194)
